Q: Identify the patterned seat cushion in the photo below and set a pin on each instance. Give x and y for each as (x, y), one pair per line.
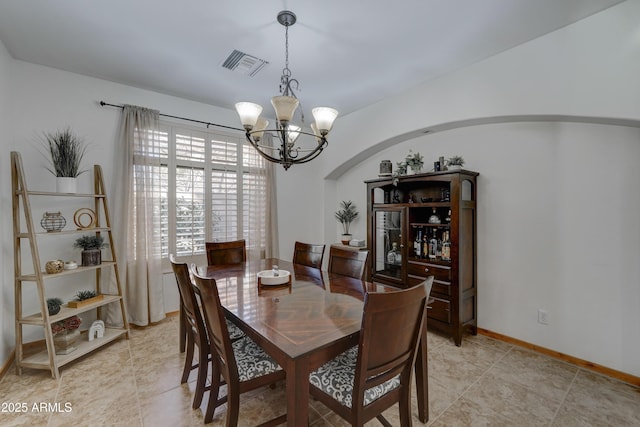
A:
(234, 331)
(335, 378)
(251, 359)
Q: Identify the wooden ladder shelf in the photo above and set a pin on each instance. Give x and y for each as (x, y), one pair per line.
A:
(22, 218)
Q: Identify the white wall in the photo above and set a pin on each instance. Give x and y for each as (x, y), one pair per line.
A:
(35, 99)
(558, 227)
(6, 246)
(586, 69)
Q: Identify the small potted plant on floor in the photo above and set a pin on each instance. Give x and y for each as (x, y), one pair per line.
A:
(345, 216)
(91, 246)
(455, 163)
(66, 152)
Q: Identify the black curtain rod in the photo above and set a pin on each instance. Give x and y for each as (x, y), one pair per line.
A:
(102, 103)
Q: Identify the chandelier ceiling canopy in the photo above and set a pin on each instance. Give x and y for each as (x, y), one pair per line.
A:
(287, 142)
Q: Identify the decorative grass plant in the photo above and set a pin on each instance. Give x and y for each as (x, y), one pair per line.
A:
(67, 151)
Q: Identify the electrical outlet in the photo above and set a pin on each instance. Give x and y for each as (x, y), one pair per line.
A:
(543, 316)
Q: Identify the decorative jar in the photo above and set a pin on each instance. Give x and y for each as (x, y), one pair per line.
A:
(385, 168)
(53, 267)
(53, 221)
(64, 341)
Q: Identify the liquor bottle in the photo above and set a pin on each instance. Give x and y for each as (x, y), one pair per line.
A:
(439, 249)
(417, 244)
(433, 246)
(446, 247)
(448, 218)
(425, 244)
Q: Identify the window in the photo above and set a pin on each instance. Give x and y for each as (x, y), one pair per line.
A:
(213, 187)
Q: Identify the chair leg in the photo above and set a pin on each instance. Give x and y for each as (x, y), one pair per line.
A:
(188, 358)
(214, 390)
(203, 364)
(233, 407)
(183, 329)
(384, 421)
(404, 407)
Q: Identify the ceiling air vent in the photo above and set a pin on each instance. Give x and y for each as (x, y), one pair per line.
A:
(244, 63)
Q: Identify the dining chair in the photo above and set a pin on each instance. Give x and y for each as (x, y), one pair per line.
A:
(369, 378)
(196, 334)
(347, 262)
(243, 364)
(233, 252)
(428, 284)
(308, 254)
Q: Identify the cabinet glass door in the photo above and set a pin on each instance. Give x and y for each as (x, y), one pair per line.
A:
(389, 245)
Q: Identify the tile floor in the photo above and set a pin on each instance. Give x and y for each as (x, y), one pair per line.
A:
(483, 383)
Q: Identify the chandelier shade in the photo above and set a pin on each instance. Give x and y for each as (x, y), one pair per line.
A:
(249, 113)
(284, 144)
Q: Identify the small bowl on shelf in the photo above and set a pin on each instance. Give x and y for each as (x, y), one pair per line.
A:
(70, 265)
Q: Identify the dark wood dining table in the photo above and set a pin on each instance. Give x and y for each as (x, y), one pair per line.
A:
(302, 325)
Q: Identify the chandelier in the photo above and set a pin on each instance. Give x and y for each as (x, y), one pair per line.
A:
(281, 144)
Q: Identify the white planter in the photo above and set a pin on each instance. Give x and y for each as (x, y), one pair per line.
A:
(65, 184)
(454, 167)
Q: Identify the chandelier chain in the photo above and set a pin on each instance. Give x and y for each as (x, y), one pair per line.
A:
(286, 48)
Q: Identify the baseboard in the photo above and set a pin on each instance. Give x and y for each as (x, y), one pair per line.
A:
(7, 364)
(27, 348)
(622, 376)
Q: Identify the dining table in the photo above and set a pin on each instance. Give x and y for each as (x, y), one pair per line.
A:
(304, 323)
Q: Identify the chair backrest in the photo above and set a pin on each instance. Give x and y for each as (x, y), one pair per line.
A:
(221, 253)
(213, 314)
(188, 296)
(391, 327)
(308, 254)
(428, 284)
(347, 262)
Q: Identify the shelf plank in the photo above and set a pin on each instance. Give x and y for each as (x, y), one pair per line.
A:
(32, 277)
(65, 311)
(412, 205)
(53, 193)
(61, 232)
(40, 360)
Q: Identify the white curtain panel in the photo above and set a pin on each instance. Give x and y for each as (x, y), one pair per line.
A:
(260, 208)
(137, 210)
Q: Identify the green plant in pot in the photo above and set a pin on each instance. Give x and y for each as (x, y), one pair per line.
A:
(53, 305)
(91, 246)
(345, 216)
(87, 294)
(455, 163)
(66, 151)
(414, 161)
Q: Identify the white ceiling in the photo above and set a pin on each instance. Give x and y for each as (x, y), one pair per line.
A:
(346, 54)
